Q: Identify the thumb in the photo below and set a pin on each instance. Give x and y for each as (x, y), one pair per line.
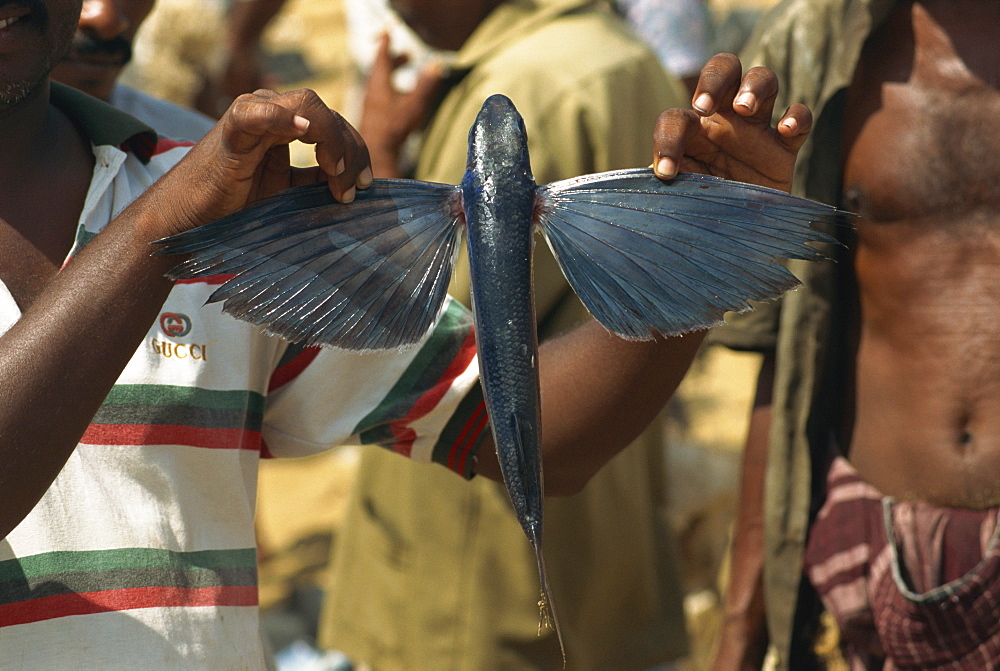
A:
(428, 83)
(254, 124)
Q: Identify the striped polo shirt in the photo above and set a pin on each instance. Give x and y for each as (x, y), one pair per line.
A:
(142, 552)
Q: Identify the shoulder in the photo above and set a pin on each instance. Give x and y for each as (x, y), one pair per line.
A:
(166, 118)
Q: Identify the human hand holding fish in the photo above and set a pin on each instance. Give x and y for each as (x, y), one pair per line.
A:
(115, 288)
(651, 260)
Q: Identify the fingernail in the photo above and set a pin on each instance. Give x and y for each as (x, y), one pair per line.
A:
(746, 100)
(365, 178)
(791, 125)
(666, 167)
(301, 123)
(341, 167)
(703, 103)
(347, 196)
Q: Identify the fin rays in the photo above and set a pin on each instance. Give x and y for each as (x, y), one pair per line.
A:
(365, 276)
(649, 256)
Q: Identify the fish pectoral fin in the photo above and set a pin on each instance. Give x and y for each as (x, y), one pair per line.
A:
(370, 274)
(647, 256)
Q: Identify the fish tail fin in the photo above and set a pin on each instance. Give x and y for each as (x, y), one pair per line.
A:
(546, 609)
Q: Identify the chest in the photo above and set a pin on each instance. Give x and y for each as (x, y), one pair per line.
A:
(922, 121)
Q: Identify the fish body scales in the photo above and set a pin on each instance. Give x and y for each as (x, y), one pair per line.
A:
(498, 193)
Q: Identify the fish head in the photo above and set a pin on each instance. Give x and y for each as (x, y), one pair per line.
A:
(498, 142)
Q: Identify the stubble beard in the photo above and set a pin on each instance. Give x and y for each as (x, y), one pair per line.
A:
(57, 42)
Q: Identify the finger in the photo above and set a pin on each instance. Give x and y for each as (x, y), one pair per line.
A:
(353, 169)
(674, 128)
(382, 65)
(253, 124)
(365, 177)
(307, 175)
(340, 151)
(755, 98)
(717, 85)
(427, 86)
(273, 175)
(794, 126)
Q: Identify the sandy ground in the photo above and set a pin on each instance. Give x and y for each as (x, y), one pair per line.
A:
(308, 45)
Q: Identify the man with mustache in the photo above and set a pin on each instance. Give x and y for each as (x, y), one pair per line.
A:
(101, 48)
(132, 418)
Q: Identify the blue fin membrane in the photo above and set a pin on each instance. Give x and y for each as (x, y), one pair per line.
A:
(648, 256)
(369, 275)
(645, 256)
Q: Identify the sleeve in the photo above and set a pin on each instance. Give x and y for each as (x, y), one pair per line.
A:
(423, 402)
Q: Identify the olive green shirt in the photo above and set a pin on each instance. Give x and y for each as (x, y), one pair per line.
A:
(432, 572)
(813, 46)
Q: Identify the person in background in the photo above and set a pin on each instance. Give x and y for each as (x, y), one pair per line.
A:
(101, 47)
(471, 602)
(679, 31)
(872, 463)
(241, 68)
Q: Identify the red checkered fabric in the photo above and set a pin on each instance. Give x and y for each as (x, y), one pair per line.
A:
(911, 585)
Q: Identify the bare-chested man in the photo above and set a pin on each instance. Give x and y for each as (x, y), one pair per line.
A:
(886, 398)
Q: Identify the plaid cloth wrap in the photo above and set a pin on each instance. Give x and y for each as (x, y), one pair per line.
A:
(911, 585)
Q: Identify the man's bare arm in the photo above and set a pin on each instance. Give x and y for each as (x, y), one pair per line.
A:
(53, 379)
(743, 640)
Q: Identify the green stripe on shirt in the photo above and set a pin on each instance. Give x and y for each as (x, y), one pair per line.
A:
(434, 358)
(150, 404)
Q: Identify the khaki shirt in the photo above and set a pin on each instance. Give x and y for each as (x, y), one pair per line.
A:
(435, 573)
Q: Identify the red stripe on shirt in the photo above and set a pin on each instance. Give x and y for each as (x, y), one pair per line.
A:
(460, 449)
(405, 435)
(291, 370)
(165, 144)
(62, 605)
(171, 434)
(208, 279)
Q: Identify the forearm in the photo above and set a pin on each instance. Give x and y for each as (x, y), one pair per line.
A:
(743, 642)
(599, 392)
(61, 358)
(247, 21)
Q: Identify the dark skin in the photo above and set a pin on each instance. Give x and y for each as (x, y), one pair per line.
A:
(927, 418)
(47, 374)
(241, 70)
(113, 289)
(922, 417)
(109, 25)
(390, 116)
